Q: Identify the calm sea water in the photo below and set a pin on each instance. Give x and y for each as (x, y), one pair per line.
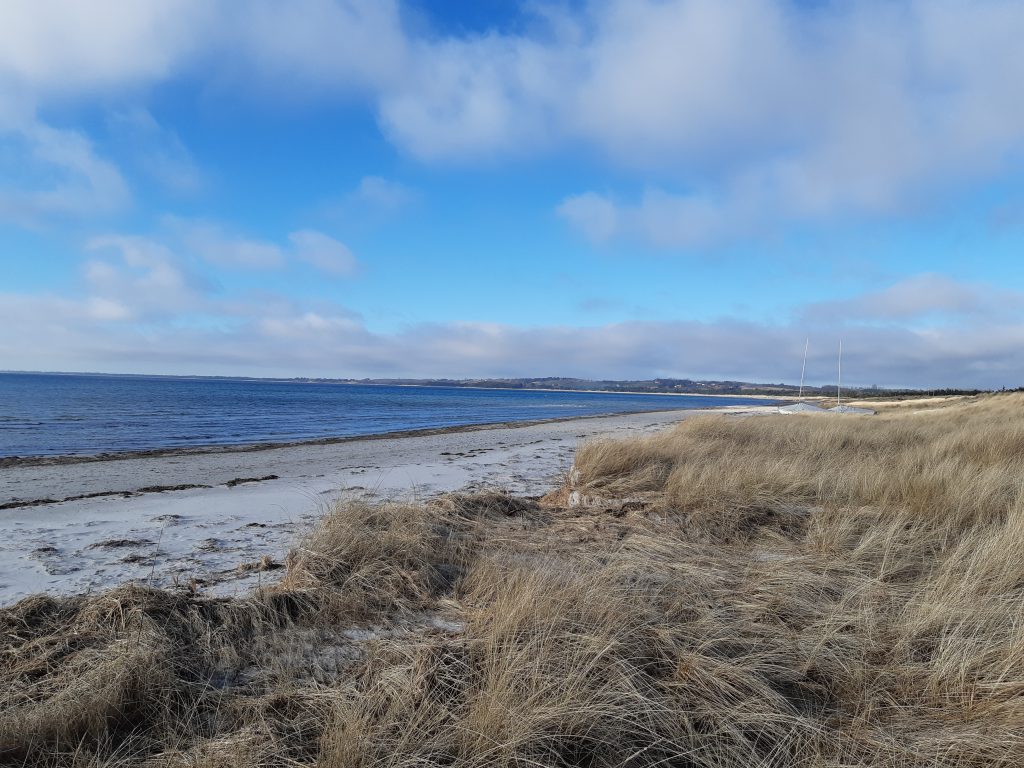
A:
(45, 414)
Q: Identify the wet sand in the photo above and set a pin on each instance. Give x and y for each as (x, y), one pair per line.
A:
(208, 516)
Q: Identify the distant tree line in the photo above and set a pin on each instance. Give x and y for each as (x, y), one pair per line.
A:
(678, 386)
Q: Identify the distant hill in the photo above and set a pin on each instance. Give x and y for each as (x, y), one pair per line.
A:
(670, 386)
(676, 386)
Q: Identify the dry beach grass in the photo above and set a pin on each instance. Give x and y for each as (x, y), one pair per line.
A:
(754, 591)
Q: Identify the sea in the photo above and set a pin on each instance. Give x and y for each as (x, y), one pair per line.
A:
(81, 414)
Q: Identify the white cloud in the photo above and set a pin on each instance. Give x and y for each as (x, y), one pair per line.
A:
(213, 243)
(770, 113)
(927, 296)
(461, 99)
(383, 194)
(763, 111)
(735, 114)
(669, 83)
(67, 50)
(372, 202)
(313, 46)
(62, 48)
(51, 172)
(759, 109)
(323, 252)
(660, 218)
(157, 150)
(142, 313)
(144, 280)
(58, 52)
(99, 308)
(302, 326)
(596, 216)
(134, 287)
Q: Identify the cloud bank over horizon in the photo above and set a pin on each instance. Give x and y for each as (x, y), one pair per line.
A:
(328, 188)
(926, 331)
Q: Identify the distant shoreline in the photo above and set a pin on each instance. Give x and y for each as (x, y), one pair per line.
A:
(581, 391)
(218, 448)
(377, 383)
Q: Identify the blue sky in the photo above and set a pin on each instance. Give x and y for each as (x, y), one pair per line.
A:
(605, 189)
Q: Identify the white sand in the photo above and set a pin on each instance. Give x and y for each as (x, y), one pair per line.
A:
(207, 533)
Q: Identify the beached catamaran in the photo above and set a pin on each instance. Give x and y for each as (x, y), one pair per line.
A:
(840, 408)
(800, 406)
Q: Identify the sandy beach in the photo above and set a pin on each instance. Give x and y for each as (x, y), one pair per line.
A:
(87, 525)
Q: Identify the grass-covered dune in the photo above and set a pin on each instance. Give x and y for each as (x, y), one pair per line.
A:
(782, 590)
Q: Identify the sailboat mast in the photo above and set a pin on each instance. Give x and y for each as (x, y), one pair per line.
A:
(839, 384)
(803, 368)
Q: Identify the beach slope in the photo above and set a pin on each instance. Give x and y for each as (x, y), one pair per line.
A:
(205, 516)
